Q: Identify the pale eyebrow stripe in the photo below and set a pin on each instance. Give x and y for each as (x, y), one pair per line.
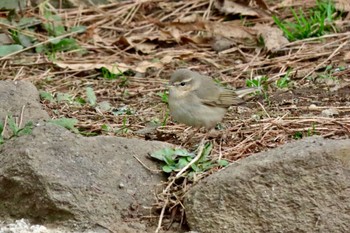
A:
(186, 81)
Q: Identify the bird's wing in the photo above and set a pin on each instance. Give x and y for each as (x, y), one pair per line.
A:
(211, 94)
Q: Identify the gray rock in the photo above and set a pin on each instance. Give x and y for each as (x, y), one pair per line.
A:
(53, 175)
(16, 94)
(303, 186)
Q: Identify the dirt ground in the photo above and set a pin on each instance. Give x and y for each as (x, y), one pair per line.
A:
(149, 40)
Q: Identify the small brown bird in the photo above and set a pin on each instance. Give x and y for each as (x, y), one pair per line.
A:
(196, 100)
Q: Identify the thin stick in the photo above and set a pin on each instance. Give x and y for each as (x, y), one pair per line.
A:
(5, 123)
(220, 151)
(200, 150)
(262, 106)
(165, 191)
(161, 217)
(329, 58)
(21, 117)
(144, 165)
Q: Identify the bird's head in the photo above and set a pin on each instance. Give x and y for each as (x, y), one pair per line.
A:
(183, 81)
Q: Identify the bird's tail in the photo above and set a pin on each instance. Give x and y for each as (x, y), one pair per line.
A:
(246, 91)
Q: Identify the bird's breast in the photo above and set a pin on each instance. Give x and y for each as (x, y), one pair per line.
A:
(190, 111)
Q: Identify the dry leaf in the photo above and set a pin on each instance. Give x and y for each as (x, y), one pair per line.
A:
(175, 33)
(189, 19)
(113, 68)
(347, 56)
(234, 7)
(273, 37)
(138, 42)
(198, 25)
(262, 4)
(342, 5)
(230, 30)
(117, 68)
(5, 39)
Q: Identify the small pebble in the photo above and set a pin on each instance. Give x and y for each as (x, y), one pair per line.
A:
(331, 112)
(312, 107)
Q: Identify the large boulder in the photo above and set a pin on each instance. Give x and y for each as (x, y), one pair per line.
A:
(18, 95)
(303, 186)
(53, 175)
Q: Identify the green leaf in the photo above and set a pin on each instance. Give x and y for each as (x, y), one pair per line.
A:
(80, 100)
(160, 154)
(105, 127)
(25, 40)
(67, 123)
(181, 163)
(63, 97)
(13, 126)
(167, 168)
(27, 129)
(78, 29)
(206, 165)
(46, 96)
(26, 22)
(8, 49)
(104, 106)
(164, 96)
(66, 44)
(168, 159)
(195, 167)
(91, 97)
(206, 151)
(40, 48)
(223, 162)
(183, 152)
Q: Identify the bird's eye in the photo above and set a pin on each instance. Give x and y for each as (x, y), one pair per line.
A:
(182, 84)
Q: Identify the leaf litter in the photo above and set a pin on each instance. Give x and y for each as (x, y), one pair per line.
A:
(143, 42)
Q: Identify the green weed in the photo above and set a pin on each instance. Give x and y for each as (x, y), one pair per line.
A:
(15, 129)
(260, 82)
(68, 123)
(310, 132)
(318, 22)
(284, 81)
(164, 95)
(122, 76)
(91, 97)
(125, 127)
(173, 160)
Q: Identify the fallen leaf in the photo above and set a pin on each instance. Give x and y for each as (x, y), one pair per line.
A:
(342, 5)
(229, 30)
(273, 37)
(138, 42)
(117, 68)
(232, 7)
(347, 56)
(190, 19)
(176, 34)
(262, 4)
(5, 39)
